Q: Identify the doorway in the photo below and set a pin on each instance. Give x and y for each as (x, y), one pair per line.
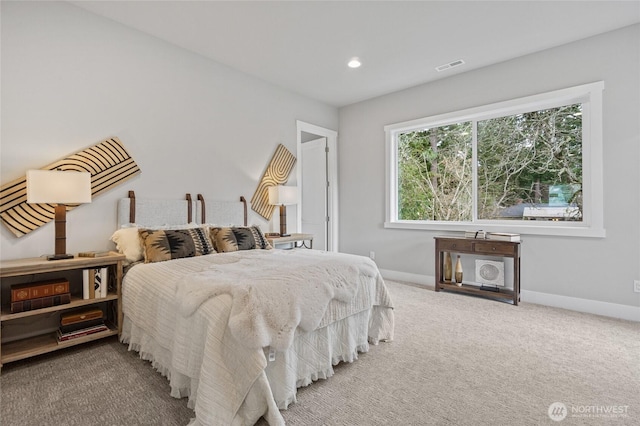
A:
(317, 176)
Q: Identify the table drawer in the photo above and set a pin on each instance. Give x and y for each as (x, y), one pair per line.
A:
(457, 245)
(492, 247)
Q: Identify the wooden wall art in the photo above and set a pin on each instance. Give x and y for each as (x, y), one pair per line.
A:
(277, 173)
(108, 162)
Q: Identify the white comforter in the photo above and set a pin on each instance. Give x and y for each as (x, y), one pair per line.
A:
(204, 322)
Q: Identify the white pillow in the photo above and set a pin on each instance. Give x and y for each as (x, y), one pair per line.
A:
(128, 243)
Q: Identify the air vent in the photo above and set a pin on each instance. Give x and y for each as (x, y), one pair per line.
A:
(450, 65)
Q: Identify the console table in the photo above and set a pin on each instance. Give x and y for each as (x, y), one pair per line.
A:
(478, 247)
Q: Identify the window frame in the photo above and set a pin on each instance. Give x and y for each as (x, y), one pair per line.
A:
(592, 224)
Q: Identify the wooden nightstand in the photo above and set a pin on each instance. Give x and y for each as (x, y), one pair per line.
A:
(295, 240)
(34, 269)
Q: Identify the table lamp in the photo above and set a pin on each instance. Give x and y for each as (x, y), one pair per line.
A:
(60, 188)
(283, 196)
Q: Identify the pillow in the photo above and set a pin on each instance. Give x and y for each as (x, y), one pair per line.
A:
(128, 241)
(166, 244)
(226, 239)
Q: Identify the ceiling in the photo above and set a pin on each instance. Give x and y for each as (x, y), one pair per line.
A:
(304, 46)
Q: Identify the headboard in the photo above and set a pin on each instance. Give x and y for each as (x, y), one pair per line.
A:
(157, 212)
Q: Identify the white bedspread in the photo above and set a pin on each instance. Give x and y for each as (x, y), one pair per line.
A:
(204, 321)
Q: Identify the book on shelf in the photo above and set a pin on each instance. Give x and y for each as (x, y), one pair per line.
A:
(80, 325)
(93, 253)
(503, 236)
(41, 302)
(63, 337)
(80, 316)
(480, 234)
(39, 289)
(94, 283)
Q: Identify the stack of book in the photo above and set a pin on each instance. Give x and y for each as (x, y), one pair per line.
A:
(81, 323)
(503, 236)
(94, 253)
(480, 234)
(41, 294)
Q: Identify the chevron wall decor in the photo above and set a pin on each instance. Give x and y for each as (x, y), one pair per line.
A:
(108, 162)
(277, 173)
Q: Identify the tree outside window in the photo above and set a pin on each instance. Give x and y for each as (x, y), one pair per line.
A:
(435, 174)
(530, 165)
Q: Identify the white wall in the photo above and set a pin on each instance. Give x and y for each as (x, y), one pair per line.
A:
(71, 79)
(583, 268)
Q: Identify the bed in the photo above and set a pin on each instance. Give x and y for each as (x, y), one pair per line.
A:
(238, 330)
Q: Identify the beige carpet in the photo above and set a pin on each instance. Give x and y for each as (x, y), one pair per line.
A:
(456, 360)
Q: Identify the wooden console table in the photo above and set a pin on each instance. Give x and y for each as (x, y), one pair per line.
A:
(478, 247)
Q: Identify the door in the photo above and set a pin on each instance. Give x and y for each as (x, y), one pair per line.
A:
(314, 191)
(317, 168)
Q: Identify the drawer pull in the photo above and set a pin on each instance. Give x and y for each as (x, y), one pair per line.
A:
(493, 248)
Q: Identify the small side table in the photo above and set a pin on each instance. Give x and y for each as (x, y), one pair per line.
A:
(297, 240)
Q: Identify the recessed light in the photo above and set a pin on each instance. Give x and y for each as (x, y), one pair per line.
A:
(354, 63)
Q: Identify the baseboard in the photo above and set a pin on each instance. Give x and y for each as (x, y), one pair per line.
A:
(607, 309)
(422, 280)
(614, 310)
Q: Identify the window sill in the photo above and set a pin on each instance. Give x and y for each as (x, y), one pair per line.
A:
(559, 230)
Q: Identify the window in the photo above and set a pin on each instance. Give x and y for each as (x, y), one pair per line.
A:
(530, 165)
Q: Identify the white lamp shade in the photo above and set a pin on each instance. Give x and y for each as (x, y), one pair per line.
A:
(58, 187)
(283, 195)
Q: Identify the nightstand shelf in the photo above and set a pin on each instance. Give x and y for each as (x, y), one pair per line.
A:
(44, 343)
(28, 270)
(293, 239)
(76, 302)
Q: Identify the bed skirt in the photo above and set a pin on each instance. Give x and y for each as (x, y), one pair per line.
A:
(311, 357)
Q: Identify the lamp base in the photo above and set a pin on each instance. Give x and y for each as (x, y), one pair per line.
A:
(59, 256)
(283, 221)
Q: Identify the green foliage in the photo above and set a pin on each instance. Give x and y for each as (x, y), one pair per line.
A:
(434, 173)
(519, 158)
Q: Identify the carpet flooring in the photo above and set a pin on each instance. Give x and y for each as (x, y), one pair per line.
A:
(455, 360)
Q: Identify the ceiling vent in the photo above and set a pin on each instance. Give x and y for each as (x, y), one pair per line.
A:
(450, 65)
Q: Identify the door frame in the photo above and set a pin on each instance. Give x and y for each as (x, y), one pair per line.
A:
(332, 190)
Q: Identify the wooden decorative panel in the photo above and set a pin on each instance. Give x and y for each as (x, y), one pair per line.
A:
(277, 173)
(108, 162)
